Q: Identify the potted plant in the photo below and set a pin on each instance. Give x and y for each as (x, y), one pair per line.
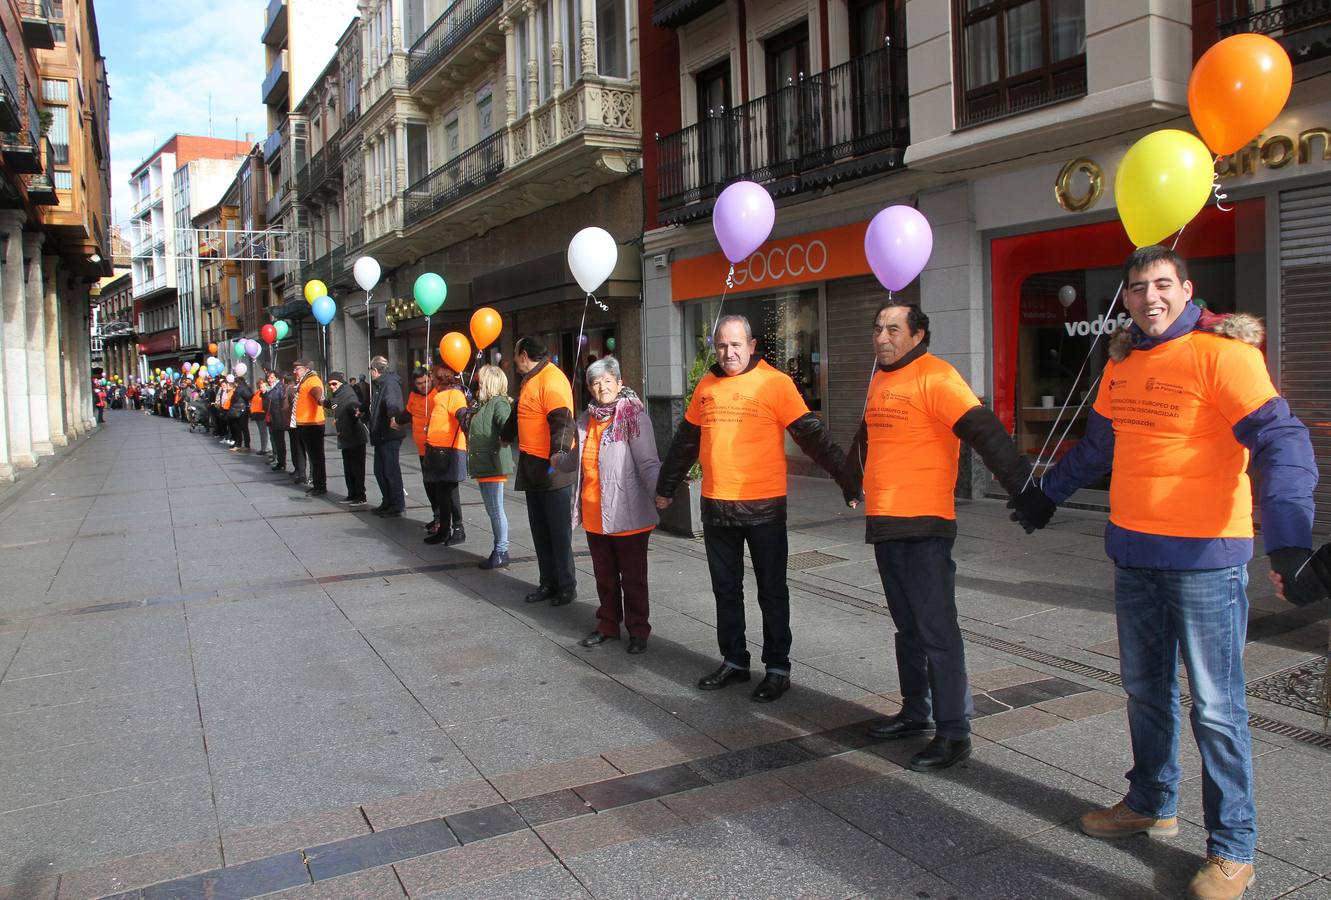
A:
(684, 515)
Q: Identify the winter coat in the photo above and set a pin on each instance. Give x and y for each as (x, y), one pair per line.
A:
(627, 468)
(273, 409)
(387, 402)
(487, 457)
(346, 409)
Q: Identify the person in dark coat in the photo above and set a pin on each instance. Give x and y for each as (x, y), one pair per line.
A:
(352, 436)
(289, 422)
(388, 427)
(238, 416)
(276, 416)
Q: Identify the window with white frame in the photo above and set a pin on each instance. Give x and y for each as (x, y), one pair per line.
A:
(544, 40)
(612, 38)
(572, 38)
(523, 27)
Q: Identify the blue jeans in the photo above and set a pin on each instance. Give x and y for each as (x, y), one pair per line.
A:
(1203, 614)
(492, 492)
(388, 474)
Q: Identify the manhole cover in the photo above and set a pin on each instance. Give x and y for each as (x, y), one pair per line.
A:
(811, 559)
(1297, 688)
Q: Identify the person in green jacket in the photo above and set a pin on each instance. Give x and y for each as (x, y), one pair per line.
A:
(490, 461)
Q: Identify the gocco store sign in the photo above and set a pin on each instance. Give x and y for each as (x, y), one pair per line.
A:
(816, 256)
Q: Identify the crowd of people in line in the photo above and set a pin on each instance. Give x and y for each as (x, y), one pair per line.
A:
(1184, 406)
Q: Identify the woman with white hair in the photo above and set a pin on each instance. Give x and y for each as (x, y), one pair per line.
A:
(615, 502)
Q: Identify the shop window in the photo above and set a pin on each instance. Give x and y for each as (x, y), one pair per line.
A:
(1016, 55)
(785, 324)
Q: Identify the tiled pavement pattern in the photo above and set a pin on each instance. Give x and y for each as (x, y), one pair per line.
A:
(209, 688)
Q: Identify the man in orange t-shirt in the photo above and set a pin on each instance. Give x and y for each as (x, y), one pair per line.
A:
(308, 416)
(735, 427)
(918, 412)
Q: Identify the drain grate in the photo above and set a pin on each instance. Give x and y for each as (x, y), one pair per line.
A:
(811, 559)
(1298, 687)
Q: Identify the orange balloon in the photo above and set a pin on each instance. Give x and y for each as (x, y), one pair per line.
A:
(485, 327)
(199, 382)
(212, 348)
(455, 351)
(1238, 88)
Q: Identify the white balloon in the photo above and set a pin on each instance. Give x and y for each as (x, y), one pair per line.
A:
(367, 272)
(1067, 295)
(212, 361)
(231, 379)
(592, 255)
(241, 369)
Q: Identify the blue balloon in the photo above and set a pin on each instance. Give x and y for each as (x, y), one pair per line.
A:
(324, 309)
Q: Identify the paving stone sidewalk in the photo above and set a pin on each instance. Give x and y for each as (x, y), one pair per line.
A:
(211, 685)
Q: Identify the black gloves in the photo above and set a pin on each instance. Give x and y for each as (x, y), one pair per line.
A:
(1306, 576)
(1033, 508)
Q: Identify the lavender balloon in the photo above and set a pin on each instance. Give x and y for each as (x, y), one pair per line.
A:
(743, 218)
(252, 348)
(898, 243)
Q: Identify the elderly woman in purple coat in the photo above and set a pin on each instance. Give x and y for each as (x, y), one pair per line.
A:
(614, 502)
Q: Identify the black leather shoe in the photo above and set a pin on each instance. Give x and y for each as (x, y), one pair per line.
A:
(389, 514)
(771, 688)
(458, 536)
(541, 593)
(596, 639)
(316, 492)
(496, 560)
(437, 538)
(898, 726)
(722, 677)
(564, 598)
(941, 753)
(637, 645)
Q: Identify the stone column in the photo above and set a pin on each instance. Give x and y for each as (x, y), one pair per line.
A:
(6, 464)
(533, 73)
(82, 312)
(510, 71)
(12, 295)
(588, 37)
(39, 414)
(559, 12)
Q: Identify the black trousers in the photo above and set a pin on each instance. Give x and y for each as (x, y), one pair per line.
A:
(353, 471)
(768, 549)
(298, 466)
(919, 579)
(312, 440)
(550, 518)
(279, 438)
(431, 492)
(240, 430)
(448, 500)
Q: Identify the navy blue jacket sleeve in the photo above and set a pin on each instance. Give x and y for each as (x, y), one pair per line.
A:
(1282, 454)
(1089, 461)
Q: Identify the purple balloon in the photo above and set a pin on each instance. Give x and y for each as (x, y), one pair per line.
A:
(742, 219)
(252, 348)
(898, 243)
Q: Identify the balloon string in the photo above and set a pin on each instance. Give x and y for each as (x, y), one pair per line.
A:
(427, 343)
(1216, 189)
(577, 348)
(1040, 459)
(716, 323)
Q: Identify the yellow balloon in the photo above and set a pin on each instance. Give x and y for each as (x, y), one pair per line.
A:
(1164, 180)
(314, 289)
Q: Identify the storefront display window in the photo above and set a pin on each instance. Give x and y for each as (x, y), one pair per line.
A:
(785, 324)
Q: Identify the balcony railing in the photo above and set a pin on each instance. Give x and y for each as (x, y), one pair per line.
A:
(148, 285)
(848, 121)
(1303, 27)
(41, 189)
(276, 81)
(275, 23)
(37, 31)
(11, 101)
(355, 240)
(448, 31)
(272, 144)
(470, 171)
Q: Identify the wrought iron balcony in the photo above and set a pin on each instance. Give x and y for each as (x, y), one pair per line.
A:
(20, 152)
(272, 144)
(470, 171)
(275, 84)
(37, 30)
(674, 13)
(355, 240)
(1303, 27)
(448, 32)
(11, 99)
(849, 121)
(41, 188)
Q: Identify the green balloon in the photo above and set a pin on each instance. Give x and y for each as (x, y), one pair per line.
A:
(282, 328)
(238, 350)
(430, 292)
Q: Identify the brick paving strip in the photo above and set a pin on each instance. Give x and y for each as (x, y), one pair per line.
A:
(565, 821)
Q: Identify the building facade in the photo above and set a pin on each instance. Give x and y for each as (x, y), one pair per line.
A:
(54, 203)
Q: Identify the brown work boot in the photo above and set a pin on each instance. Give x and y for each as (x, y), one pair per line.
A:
(1221, 879)
(1118, 821)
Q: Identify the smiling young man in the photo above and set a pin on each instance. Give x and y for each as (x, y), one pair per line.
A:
(735, 427)
(918, 412)
(1184, 404)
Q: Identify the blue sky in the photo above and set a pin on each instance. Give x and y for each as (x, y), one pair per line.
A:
(164, 59)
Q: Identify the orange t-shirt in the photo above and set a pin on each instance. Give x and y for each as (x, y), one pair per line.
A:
(591, 481)
(1178, 469)
(256, 402)
(443, 429)
(227, 393)
(911, 466)
(308, 410)
(543, 393)
(418, 405)
(743, 419)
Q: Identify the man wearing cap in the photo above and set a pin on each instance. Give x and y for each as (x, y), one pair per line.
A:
(344, 403)
(307, 415)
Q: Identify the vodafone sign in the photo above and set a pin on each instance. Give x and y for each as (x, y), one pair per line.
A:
(816, 256)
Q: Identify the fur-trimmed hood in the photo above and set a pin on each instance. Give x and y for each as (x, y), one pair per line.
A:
(1237, 326)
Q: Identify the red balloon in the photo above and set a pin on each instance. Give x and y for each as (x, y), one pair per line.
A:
(269, 334)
